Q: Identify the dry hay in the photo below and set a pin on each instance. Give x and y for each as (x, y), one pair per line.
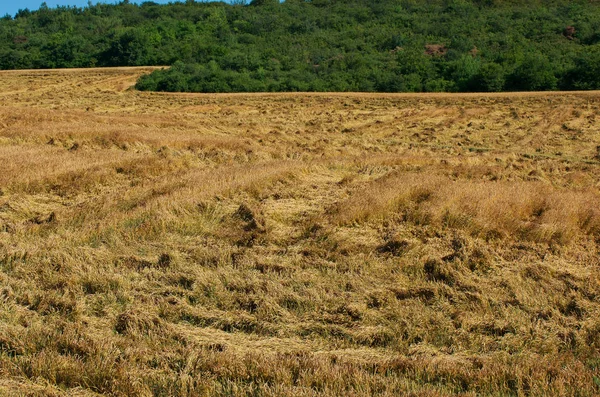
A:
(295, 244)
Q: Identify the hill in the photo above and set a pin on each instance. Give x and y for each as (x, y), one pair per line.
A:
(321, 45)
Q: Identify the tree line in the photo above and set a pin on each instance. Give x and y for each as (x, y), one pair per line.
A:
(320, 45)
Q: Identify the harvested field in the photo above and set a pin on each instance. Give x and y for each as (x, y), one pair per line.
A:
(295, 244)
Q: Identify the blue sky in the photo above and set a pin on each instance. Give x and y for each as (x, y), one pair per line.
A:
(12, 6)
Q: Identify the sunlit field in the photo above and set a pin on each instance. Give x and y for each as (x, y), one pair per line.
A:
(295, 244)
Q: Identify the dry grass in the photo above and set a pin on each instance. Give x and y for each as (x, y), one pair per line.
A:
(525, 210)
(276, 245)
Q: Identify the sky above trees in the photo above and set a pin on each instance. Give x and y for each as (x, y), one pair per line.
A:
(11, 7)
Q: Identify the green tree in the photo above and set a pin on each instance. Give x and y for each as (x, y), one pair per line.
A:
(130, 47)
(490, 78)
(585, 75)
(264, 2)
(534, 73)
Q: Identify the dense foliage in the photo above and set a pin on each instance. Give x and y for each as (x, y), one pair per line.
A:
(321, 45)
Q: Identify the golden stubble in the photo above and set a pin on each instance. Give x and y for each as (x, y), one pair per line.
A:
(295, 244)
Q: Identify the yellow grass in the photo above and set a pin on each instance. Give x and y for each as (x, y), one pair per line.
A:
(295, 244)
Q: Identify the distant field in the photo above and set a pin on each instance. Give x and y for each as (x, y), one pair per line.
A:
(295, 244)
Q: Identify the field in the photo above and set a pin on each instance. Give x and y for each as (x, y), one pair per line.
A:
(295, 244)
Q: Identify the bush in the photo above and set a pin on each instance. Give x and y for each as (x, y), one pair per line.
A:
(490, 78)
(585, 75)
(534, 73)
